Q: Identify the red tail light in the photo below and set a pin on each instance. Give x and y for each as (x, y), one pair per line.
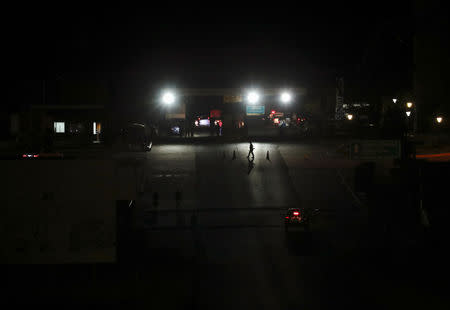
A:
(296, 213)
(35, 156)
(287, 217)
(24, 156)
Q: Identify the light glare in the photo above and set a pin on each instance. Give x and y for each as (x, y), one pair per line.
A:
(286, 97)
(168, 98)
(253, 97)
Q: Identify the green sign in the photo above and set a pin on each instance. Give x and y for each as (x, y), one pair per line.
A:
(255, 110)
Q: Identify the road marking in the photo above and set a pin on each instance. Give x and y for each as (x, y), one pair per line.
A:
(355, 197)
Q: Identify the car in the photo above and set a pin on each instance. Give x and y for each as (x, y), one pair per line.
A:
(298, 218)
(175, 130)
(136, 137)
(30, 155)
(202, 121)
(37, 155)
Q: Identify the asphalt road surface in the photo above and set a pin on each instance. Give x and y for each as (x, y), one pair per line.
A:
(222, 245)
(208, 233)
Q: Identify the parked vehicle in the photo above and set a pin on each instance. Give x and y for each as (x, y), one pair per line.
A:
(136, 137)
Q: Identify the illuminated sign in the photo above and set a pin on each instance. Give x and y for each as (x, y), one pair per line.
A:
(255, 110)
(215, 113)
(279, 114)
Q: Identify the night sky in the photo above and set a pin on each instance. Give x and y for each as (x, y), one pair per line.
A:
(147, 48)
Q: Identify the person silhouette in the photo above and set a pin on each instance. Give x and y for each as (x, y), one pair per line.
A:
(250, 150)
(251, 164)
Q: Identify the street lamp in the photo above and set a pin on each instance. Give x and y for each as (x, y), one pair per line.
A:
(285, 97)
(168, 98)
(408, 113)
(394, 100)
(253, 97)
(439, 119)
(349, 117)
(409, 105)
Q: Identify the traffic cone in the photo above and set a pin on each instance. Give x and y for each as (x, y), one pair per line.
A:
(234, 154)
(267, 156)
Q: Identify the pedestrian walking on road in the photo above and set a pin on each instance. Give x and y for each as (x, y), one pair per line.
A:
(251, 164)
(250, 150)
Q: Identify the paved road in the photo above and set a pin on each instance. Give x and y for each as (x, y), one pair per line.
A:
(223, 245)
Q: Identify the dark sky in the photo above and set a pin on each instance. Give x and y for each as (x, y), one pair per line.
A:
(210, 46)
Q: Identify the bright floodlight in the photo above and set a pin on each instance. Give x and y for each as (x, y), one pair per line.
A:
(253, 97)
(408, 113)
(439, 119)
(409, 104)
(168, 98)
(286, 97)
(394, 100)
(349, 117)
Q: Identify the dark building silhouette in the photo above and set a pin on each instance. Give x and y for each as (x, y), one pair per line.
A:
(432, 62)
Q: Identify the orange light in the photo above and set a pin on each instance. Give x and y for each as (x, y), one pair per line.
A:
(433, 155)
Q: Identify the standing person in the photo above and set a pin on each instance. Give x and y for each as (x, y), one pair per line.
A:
(250, 150)
(189, 127)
